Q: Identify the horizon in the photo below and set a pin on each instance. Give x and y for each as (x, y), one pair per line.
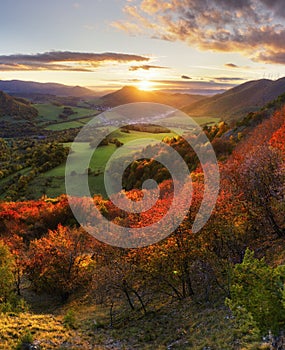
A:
(150, 44)
(101, 91)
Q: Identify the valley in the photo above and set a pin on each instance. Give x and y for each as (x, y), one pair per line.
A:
(64, 288)
(54, 122)
(142, 175)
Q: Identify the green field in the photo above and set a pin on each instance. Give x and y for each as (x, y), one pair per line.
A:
(50, 112)
(47, 111)
(98, 161)
(64, 126)
(102, 154)
(49, 116)
(206, 120)
(52, 182)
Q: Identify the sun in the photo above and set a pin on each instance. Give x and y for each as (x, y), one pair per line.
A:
(145, 85)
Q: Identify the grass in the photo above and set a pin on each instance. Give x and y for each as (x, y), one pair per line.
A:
(176, 325)
(64, 126)
(168, 325)
(206, 120)
(69, 124)
(49, 113)
(52, 182)
(47, 330)
(182, 325)
(97, 164)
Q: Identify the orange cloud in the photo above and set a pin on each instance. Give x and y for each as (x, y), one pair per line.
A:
(146, 67)
(254, 28)
(65, 61)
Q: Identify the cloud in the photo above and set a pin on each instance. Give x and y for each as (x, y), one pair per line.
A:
(231, 65)
(146, 67)
(272, 57)
(277, 6)
(194, 84)
(250, 27)
(226, 79)
(65, 61)
(185, 77)
(193, 87)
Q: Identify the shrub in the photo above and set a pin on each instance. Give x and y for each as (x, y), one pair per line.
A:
(257, 290)
(69, 319)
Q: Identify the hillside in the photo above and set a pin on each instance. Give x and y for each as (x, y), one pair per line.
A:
(14, 107)
(24, 88)
(175, 294)
(130, 94)
(238, 101)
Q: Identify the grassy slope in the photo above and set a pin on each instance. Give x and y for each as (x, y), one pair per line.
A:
(50, 113)
(48, 330)
(184, 325)
(238, 101)
(97, 163)
(52, 182)
(178, 325)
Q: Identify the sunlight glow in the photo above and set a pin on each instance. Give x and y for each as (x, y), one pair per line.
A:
(145, 85)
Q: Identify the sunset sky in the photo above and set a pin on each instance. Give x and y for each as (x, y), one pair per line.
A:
(187, 45)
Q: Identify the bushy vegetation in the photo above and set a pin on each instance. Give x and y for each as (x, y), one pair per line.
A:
(219, 288)
(257, 292)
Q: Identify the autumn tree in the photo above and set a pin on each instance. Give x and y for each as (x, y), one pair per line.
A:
(262, 180)
(118, 278)
(60, 262)
(6, 273)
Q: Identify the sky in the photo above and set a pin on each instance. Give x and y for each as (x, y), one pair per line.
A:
(185, 46)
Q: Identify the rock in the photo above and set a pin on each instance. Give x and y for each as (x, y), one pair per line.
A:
(30, 346)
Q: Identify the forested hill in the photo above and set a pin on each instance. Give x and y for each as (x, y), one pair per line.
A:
(219, 288)
(235, 103)
(16, 107)
(130, 94)
(23, 88)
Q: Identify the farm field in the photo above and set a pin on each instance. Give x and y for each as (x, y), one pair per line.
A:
(49, 116)
(52, 182)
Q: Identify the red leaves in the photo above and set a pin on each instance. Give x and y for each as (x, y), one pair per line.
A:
(278, 139)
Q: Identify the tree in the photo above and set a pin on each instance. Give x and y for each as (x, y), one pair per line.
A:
(60, 262)
(6, 273)
(263, 182)
(257, 289)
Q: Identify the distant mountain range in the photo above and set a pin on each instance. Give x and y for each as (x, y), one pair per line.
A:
(26, 88)
(235, 103)
(232, 105)
(130, 94)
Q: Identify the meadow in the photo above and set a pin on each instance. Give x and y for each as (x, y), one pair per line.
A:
(98, 161)
(49, 116)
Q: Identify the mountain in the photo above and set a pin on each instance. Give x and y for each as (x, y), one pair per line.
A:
(26, 88)
(235, 103)
(130, 94)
